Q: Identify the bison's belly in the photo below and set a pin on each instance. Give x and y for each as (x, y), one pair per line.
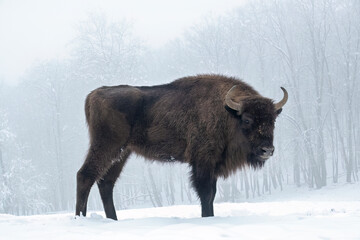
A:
(160, 151)
(160, 144)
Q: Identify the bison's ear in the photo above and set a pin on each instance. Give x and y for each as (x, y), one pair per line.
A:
(278, 111)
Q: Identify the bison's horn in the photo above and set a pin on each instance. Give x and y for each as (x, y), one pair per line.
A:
(229, 100)
(280, 104)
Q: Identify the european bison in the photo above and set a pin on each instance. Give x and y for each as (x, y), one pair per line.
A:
(216, 124)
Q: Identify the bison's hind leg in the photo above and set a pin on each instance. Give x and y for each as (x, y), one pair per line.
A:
(107, 182)
(97, 162)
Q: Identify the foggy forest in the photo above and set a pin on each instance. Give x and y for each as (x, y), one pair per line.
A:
(310, 47)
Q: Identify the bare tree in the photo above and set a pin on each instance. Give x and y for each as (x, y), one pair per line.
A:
(106, 52)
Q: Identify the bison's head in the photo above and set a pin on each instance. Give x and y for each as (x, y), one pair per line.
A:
(256, 122)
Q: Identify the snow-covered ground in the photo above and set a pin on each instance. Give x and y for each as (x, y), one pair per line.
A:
(329, 213)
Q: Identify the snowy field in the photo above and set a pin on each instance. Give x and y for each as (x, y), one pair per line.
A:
(329, 213)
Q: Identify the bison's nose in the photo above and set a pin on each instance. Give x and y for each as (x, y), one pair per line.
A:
(267, 151)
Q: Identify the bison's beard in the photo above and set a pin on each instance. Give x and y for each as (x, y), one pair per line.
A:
(255, 161)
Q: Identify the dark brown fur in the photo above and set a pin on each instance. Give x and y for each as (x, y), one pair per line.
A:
(186, 120)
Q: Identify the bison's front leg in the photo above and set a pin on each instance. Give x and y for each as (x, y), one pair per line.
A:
(204, 183)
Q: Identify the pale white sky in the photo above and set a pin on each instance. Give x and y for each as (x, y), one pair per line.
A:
(35, 30)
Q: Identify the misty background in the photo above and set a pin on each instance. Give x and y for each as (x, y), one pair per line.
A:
(310, 47)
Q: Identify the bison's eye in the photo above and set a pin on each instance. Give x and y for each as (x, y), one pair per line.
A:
(246, 120)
